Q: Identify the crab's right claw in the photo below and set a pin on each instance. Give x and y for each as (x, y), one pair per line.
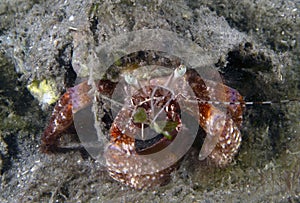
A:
(73, 100)
(60, 120)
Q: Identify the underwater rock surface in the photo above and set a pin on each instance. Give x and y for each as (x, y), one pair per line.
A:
(255, 46)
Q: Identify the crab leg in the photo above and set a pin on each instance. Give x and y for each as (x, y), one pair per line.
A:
(61, 119)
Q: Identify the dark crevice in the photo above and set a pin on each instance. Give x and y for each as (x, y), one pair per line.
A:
(242, 73)
(12, 149)
(93, 27)
(64, 59)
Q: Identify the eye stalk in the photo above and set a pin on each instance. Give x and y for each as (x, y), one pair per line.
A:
(131, 80)
(180, 71)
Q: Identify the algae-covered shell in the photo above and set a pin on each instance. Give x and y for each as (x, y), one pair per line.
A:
(44, 91)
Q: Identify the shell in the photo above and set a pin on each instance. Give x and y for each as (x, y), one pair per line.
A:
(220, 120)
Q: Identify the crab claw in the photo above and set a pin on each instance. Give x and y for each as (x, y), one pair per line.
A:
(61, 119)
(72, 101)
(220, 116)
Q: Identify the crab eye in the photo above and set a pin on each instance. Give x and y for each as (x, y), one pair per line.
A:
(180, 71)
(131, 80)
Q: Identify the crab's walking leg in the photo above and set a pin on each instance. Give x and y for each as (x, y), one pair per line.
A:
(62, 116)
(230, 138)
(223, 137)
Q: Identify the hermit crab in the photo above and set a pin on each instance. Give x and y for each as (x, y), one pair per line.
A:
(142, 116)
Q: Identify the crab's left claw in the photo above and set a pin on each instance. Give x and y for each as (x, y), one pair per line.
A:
(221, 122)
